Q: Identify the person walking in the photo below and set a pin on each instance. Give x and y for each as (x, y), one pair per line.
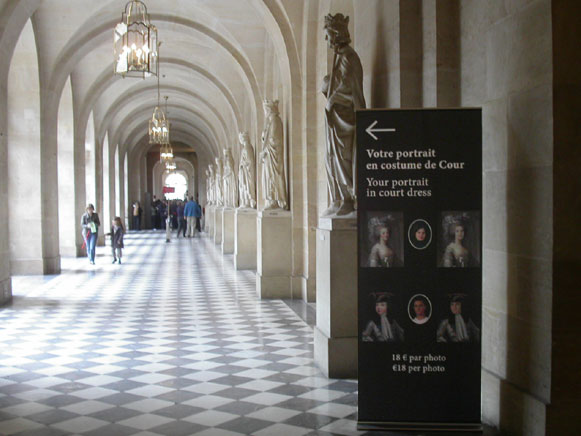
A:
(198, 216)
(117, 232)
(90, 227)
(189, 213)
(182, 225)
(137, 211)
(173, 208)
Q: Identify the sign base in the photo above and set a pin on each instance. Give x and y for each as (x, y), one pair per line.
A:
(418, 426)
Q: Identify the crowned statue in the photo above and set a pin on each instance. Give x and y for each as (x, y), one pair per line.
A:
(343, 88)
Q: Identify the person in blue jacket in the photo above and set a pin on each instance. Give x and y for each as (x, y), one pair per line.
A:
(191, 212)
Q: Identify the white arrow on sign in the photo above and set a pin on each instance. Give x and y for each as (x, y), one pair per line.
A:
(371, 129)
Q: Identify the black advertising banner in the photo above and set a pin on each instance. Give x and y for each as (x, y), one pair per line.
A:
(419, 193)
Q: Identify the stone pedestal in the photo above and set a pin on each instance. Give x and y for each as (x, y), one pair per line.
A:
(218, 225)
(228, 230)
(336, 329)
(245, 239)
(209, 220)
(274, 259)
(5, 291)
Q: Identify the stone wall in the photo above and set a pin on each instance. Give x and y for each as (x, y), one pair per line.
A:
(506, 69)
(563, 412)
(494, 55)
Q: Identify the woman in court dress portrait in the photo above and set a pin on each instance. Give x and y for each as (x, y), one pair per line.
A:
(460, 231)
(382, 253)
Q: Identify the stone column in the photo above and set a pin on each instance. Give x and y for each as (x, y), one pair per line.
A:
(274, 259)
(228, 230)
(245, 239)
(218, 225)
(336, 329)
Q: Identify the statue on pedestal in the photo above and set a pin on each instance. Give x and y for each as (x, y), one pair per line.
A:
(272, 157)
(218, 183)
(246, 172)
(230, 184)
(208, 188)
(211, 184)
(344, 91)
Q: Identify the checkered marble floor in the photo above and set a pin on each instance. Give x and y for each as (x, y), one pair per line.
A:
(172, 342)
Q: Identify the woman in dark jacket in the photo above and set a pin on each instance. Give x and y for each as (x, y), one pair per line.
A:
(90, 227)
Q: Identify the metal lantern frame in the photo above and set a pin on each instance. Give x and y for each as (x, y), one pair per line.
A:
(165, 153)
(170, 165)
(159, 124)
(135, 43)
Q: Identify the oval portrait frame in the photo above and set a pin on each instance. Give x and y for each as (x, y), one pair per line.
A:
(410, 308)
(410, 235)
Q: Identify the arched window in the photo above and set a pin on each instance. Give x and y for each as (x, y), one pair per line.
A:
(180, 184)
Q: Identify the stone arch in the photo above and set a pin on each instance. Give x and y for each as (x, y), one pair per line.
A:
(179, 133)
(24, 158)
(66, 174)
(126, 205)
(121, 103)
(191, 169)
(117, 174)
(91, 34)
(96, 30)
(135, 127)
(105, 80)
(15, 15)
(177, 174)
(106, 181)
(90, 161)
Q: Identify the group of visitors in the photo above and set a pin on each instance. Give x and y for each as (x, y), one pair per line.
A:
(158, 213)
(184, 215)
(188, 215)
(90, 224)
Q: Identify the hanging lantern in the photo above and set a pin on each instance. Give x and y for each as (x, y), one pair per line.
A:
(135, 42)
(158, 128)
(166, 153)
(159, 125)
(170, 165)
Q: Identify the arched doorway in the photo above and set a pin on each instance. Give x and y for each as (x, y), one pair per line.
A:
(179, 182)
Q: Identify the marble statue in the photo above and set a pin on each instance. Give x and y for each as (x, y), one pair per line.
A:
(211, 182)
(272, 157)
(208, 195)
(344, 91)
(219, 199)
(230, 183)
(246, 172)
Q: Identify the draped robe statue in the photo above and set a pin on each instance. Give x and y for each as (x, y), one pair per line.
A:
(212, 183)
(246, 173)
(272, 157)
(230, 184)
(208, 188)
(344, 91)
(218, 183)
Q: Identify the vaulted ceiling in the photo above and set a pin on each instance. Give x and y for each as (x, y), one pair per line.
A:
(214, 58)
